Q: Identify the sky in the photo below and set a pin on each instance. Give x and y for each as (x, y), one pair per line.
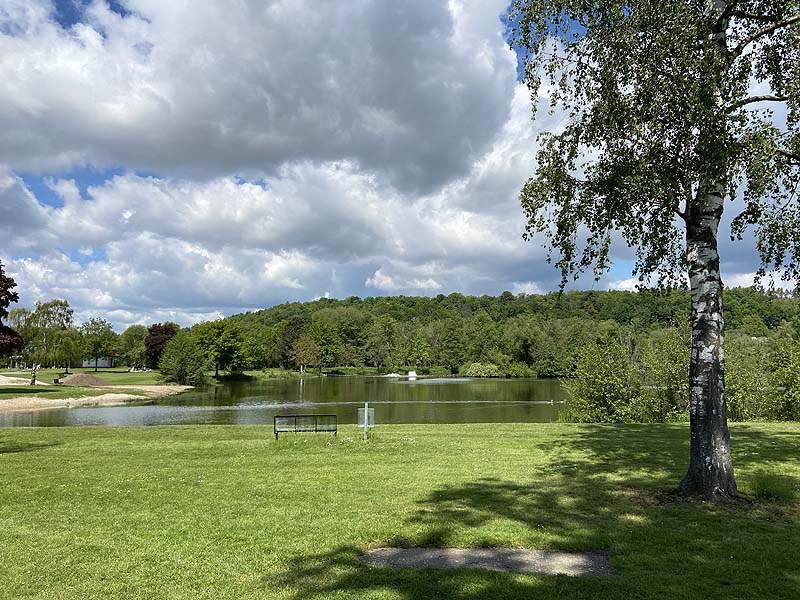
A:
(187, 160)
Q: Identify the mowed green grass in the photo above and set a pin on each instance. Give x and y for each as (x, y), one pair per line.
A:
(115, 376)
(227, 512)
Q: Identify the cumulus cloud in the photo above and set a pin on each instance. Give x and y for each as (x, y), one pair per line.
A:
(414, 90)
(266, 152)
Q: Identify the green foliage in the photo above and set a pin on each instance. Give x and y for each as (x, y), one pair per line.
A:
(326, 336)
(419, 354)
(132, 349)
(11, 341)
(477, 369)
(183, 361)
(306, 352)
(663, 365)
(636, 78)
(786, 366)
(288, 332)
(604, 389)
(221, 342)
(518, 369)
(260, 346)
(749, 383)
(98, 339)
(381, 343)
(157, 338)
(7, 294)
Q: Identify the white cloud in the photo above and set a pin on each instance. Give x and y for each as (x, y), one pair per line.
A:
(526, 287)
(391, 135)
(413, 90)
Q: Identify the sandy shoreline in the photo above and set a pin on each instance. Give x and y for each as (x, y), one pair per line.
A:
(110, 399)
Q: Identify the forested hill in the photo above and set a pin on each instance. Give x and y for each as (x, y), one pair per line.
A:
(511, 335)
(744, 308)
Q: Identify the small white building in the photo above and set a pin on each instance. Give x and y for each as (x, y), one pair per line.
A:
(102, 363)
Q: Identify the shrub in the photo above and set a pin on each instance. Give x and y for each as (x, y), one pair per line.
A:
(518, 369)
(477, 369)
(183, 362)
(663, 365)
(604, 388)
(749, 386)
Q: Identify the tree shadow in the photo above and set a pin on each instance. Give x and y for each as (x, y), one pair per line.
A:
(22, 390)
(340, 573)
(596, 495)
(11, 447)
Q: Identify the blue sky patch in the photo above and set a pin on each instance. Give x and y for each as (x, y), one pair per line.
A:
(69, 12)
(83, 177)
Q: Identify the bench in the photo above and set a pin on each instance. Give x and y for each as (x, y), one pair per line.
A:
(304, 423)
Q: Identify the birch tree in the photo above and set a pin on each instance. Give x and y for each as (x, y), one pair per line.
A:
(674, 111)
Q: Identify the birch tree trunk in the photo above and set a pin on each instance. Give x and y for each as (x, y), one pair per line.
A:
(710, 471)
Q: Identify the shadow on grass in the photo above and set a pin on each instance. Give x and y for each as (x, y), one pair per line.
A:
(21, 390)
(9, 447)
(339, 572)
(585, 499)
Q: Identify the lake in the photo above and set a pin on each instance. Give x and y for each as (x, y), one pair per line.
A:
(431, 400)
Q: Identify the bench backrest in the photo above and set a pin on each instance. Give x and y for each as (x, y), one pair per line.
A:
(300, 423)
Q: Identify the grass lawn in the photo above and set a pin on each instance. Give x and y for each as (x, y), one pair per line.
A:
(115, 376)
(226, 512)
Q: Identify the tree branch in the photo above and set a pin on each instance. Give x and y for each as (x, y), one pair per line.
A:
(754, 99)
(753, 16)
(791, 156)
(765, 31)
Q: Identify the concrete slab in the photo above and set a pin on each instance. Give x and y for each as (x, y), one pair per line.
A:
(532, 562)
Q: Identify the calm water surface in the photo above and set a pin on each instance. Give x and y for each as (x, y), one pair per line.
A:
(446, 400)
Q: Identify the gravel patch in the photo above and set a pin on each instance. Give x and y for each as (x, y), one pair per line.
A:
(531, 562)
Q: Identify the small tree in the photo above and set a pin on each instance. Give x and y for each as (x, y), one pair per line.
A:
(222, 343)
(67, 346)
(98, 339)
(306, 352)
(183, 362)
(603, 388)
(132, 350)
(157, 338)
(326, 335)
(419, 354)
(48, 321)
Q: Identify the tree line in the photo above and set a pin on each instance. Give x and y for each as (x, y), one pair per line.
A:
(505, 335)
(623, 354)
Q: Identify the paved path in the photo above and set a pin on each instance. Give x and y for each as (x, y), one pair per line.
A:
(536, 562)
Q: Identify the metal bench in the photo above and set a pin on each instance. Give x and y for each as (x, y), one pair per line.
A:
(304, 423)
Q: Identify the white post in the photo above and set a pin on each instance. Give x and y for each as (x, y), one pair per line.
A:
(366, 420)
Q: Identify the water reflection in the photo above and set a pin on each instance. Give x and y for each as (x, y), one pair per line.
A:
(396, 401)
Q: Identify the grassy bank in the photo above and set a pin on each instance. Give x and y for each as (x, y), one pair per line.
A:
(55, 392)
(115, 376)
(227, 512)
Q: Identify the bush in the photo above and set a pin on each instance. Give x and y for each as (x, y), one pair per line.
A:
(183, 362)
(477, 369)
(749, 386)
(663, 367)
(772, 487)
(518, 369)
(604, 388)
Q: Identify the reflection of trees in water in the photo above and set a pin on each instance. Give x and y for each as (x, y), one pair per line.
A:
(256, 402)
